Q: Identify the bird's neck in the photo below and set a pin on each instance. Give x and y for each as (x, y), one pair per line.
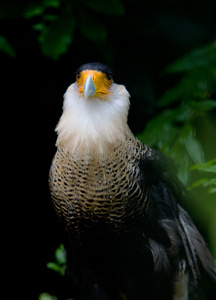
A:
(92, 124)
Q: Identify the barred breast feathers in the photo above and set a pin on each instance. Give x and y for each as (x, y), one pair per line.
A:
(98, 187)
(93, 122)
(96, 164)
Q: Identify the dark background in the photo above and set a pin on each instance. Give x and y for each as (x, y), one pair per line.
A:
(138, 38)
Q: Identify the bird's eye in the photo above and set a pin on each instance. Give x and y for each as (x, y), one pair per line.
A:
(109, 77)
(77, 76)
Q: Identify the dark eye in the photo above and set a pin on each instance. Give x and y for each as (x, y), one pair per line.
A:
(77, 75)
(109, 77)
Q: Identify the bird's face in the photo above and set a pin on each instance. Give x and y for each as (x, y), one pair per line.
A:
(92, 83)
(96, 80)
(95, 109)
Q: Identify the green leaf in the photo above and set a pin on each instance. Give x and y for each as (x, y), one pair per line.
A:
(205, 182)
(57, 267)
(49, 17)
(111, 7)
(203, 107)
(60, 255)
(209, 166)
(46, 296)
(181, 160)
(212, 190)
(6, 47)
(53, 266)
(60, 265)
(33, 10)
(52, 3)
(173, 94)
(39, 26)
(201, 57)
(160, 131)
(55, 40)
(192, 145)
(197, 84)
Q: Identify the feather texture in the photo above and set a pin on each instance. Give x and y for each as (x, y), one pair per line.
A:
(119, 204)
(85, 123)
(94, 186)
(195, 246)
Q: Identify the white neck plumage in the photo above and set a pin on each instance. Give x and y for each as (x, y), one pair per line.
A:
(93, 123)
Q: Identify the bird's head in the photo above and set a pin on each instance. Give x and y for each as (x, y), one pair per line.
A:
(95, 107)
(96, 80)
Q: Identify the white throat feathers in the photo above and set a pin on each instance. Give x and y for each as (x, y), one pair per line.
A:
(93, 123)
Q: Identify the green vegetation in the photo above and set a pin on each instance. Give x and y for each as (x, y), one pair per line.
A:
(60, 264)
(186, 132)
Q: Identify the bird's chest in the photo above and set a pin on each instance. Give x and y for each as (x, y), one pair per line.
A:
(96, 190)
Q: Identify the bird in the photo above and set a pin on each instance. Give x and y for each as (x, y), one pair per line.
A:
(119, 200)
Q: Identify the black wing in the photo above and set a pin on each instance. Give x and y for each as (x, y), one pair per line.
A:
(178, 237)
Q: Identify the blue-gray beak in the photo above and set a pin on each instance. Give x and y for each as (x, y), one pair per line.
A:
(89, 88)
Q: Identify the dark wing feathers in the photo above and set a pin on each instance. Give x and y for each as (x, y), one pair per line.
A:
(160, 257)
(166, 191)
(195, 246)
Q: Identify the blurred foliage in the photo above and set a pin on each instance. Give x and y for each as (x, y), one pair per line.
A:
(6, 47)
(185, 107)
(173, 131)
(59, 265)
(210, 166)
(46, 296)
(58, 19)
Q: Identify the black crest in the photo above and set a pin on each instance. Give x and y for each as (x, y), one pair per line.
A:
(97, 66)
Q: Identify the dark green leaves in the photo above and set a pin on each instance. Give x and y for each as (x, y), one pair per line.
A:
(173, 131)
(60, 264)
(58, 21)
(193, 147)
(6, 47)
(56, 38)
(178, 130)
(210, 183)
(46, 296)
(195, 85)
(56, 27)
(179, 143)
(209, 166)
(205, 182)
(197, 58)
(36, 9)
(204, 106)
(198, 81)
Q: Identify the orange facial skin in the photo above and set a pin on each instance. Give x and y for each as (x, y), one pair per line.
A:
(101, 81)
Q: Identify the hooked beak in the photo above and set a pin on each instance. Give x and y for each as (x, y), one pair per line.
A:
(93, 83)
(89, 88)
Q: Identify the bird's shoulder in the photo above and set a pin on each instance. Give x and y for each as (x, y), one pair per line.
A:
(159, 172)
